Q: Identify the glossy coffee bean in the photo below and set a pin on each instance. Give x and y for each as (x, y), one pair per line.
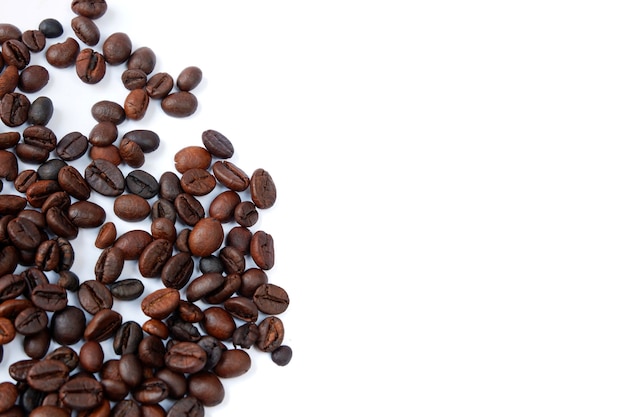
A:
(9, 78)
(33, 78)
(108, 111)
(189, 78)
(131, 207)
(15, 53)
(153, 258)
(197, 182)
(147, 140)
(86, 30)
(109, 153)
(41, 111)
(94, 296)
(7, 331)
(71, 181)
(131, 153)
(91, 356)
(271, 334)
(192, 157)
(262, 249)
(206, 237)
(206, 387)
(127, 289)
(103, 134)
(41, 137)
(90, 66)
(134, 79)
(242, 308)
(233, 260)
(133, 243)
(231, 176)
(223, 206)
(189, 209)
(51, 28)
(34, 39)
(68, 325)
(142, 58)
(131, 369)
(92, 9)
(231, 285)
(142, 183)
(160, 303)
(14, 109)
(105, 178)
(177, 271)
(9, 139)
(246, 335)
(163, 208)
(127, 338)
(81, 393)
(271, 299)
(187, 407)
(59, 222)
(136, 104)
(8, 165)
(106, 235)
(233, 363)
(218, 323)
(117, 48)
(72, 146)
(63, 54)
(162, 228)
(180, 104)
(109, 265)
(203, 285)
(251, 280)
(49, 170)
(103, 325)
(47, 375)
(150, 391)
(159, 85)
(151, 352)
(49, 297)
(85, 214)
(185, 357)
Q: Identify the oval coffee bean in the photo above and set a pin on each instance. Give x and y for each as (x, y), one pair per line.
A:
(33, 78)
(72, 146)
(147, 140)
(23, 233)
(206, 387)
(40, 111)
(40, 136)
(81, 393)
(136, 104)
(159, 85)
(68, 325)
(230, 175)
(131, 207)
(242, 308)
(91, 356)
(223, 206)
(271, 334)
(7, 331)
(233, 363)
(86, 30)
(103, 134)
(154, 257)
(262, 249)
(189, 78)
(94, 296)
(90, 66)
(151, 391)
(14, 52)
(217, 144)
(31, 320)
(108, 111)
(218, 323)
(271, 299)
(262, 189)
(142, 58)
(105, 178)
(9, 79)
(192, 157)
(14, 109)
(188, 407)
(106, 235)
(49, 297)
(142, 183)
(185, 357)
(63, 54)
(47, 375)
(133, 243)
(85, 214)
(206, 237)
(103, 325)
(189, 209)
(197, 181)
(11, 286)
(127, 338)
(59, 222)
(117, 48)
(177, 271)
(160, 303)
(180, 104)
(131, 153)
(109, 265)
(127, 289)
(203, 285)
(73, 183)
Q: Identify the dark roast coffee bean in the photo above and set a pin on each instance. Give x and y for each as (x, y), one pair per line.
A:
(103, 134)
(189, 209)
(23, 233)
(7, 331)
(49, 170)
(197, 181)
(68, 280)
(108, 111)
(9, 79)
(230, 175)
(114, 389)
(9, 31)
(59, 222)
(181, 243)
(271, 334)
(180, 104)
(8, 165)
(233, 363)
(131, 369)
(106, 236)
(40, 136)
(169, 185)
(210, 264)
(134, 79)
(15, 53)
(86, 30)
(127, 289)
(68, 325)
(109, 265)
(206, 237)
(217, 144)
(262, 189)
(271, 299)
(132, 243)
(151, 352)
(29, 321)
(162, 228)
(31, 153)
(51, 28)
(14, 109)
(49, 297)
(153, 257)
(146, 139)
(33, 78)
(40, 112)
(203, 285)
(105, 178)
(71, 181)
(156, 328)
(192, 157)
(232, 282)
(186, 407)
(117, 48)
(142, 183)
(25, 179)
(81, 393)
(131, 153)
(181, 330)
(57, 199)
(35, 40)
(136, 104)
(160, 303)
(90, 66)
(49, 410)
(142, 58)
(233, 260)
(150, 391)
(262, 249)
(223, 206)
(206, 387)
(66, 355)
(31, 399)
(8, 395)
(94, 296)
(11, 286)
(18, 370)
(109, 153)
(189, 78)
(239, 237)
(246, 214)
(9, 139)
(176, 382)
(47, 375)
(91, 356)
(185, 357)
(127, 338)
(131, 207)
(63, 54)
(163, 208)
(177, 271)
(245, 336)
(72, 146)
(159, 85)
(67, 253)
(126, 408)
(218, 323)
(189, 312)
(85, 214)
(282, 355)
(92, 9)
(242, 308)
(103, 325)
(47, 255)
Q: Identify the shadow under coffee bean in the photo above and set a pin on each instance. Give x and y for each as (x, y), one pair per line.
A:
(181, 350)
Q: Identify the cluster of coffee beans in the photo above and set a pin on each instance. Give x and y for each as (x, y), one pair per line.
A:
(200, 326)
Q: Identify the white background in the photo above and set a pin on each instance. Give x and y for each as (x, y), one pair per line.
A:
(451, 215)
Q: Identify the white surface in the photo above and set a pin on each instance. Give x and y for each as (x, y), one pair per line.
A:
(450, 217)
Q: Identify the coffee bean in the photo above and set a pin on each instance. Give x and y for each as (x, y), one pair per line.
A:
(9, 139)
(8, 395)
(189, 312)
(92, 9)
(203, 285)
(151, 352)
(49, 297)
(150, 391)
(239, 237)
(185, 357)
(148, 140)
(159, 85)
(242, 308)
(218, 323)
(127, 338)
(210, 264)
(180, 104)
(133, 243)
(40, 136)
(9, 78)
(162, 228)
(127, 289)
(206, 387)
(81, 393)
(48, 410)
(131, 153)
(176, 382)
(106, 236)
(68, 325)
(40, 112)
(31, 153)
(189, 209)
(85, 214)
(230, 175)
(134, 79)
(131, 369)
(103, 134)
(33, 78)
(233, 260)
(103, 325)
(156, 328)
(68, 280)
(9, 31)
(271, 299)
(223, 206)
(72, 146)
(11, 286)
(233, 363)
(29, 321)
(217, 144)
(109, 153)
(142, 183)
(35, 40)
(90, 66)
(186, 407)
(153, 257)
(231, 284)
(262, 249)
(131, 207)
(206, 237)
(47, 256)
(177, 271)
(49, 170)
(7, 331)
(91, 356)
(136, 104)
(86, 30)
(105, 178)
(246, 335)
(14, 52)
(51, 28)
(65, 354)
(94, 296)
(163, 208)
(160, 303)
(23, 233)
(189, 78)
(262, 189)
(109, 265)
(57, 199)
(117, 48)
(59, 222)
(126, 408)
(8, 165)
(108, 111)
(14, 109)
(63, 54)
(271, 334)
(71, 181)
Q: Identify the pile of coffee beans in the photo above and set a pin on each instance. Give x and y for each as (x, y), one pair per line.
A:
(200, 326)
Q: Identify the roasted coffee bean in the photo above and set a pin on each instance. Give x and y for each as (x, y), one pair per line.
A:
(9, 31)
(86, 30)
(68, 280)
(90, 66)
(18, 370)
(133, 243)
(49, 170)
(109, 265)
(8, 395)
(34, 39)
(25, 179)
(31, 154)
(65, 354)
(189, 78)
(142, 58)
(162, 228)
(181, 243)
(72, 146)
(189, 209)
(68, 325)
(71, 181)
(23, 233)
(176, 382)
(142, 183)
(127, 289)
(230, 175)
(210, 264)
(206, 387)
(233, 363)
(92, 9)
(154, 257)
(8, 165)
(180, 104)
(9, 139)
(91, 356)
(262, 249)
(29, 321)
(40, 112)
(169, 185)
(49, 297)
(108, 111)
(103, 134)
(160, 303)
(11, 286)
(131, 369)
(242, 308)
(148, 140)
(9, 79)
(40, 136)
(177, 271)
(189, 312)
(14, 109)
(150, 391)
(31, 399)
(185, 357)
(231, 285)
(109, 153)
(105, 178)
(159, 85)
(117, 48)
(81, 393)
(217, 144)
(127, 338)
(33, 78)
(156, 328)
(8, 259)
(282, 355)
(47, 256)
(271, 299)
(103, 325)
(14, 52)
(246, 335)
(49, 410)
(131, 153)
(197, 181)
(7, 330)
(218, 323)
(271, 334)
(203, 285)
(67, 253)
(134, 79)
(51, 28)
(233, 260)
(126, 408)
(85, 214)
(106, 236)
(114, 389)
(186, 407)
(192, 157)
(262, 189)
(163, 208)
(151, 352)
(59, 222)
(56, 199)
(239, 237)
(136, 104)
(223, 206)
(131, 207)
(102, 410)
(63, 54)
(181, 330)
(206, 237)
(94, 296)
